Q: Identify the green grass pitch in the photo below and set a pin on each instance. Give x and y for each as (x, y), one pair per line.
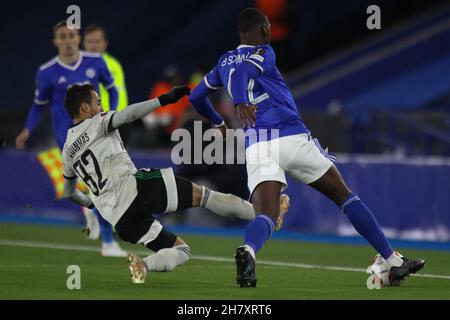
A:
(34, 260)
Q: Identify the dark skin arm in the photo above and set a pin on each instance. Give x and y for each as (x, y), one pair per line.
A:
(246, 115)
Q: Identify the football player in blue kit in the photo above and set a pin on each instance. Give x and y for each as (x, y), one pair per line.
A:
(71, 66)
(278, 141)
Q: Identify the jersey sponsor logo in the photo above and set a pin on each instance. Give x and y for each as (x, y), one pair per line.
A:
(260, 51)
(77, 145)
(90, 73)
(62, 80)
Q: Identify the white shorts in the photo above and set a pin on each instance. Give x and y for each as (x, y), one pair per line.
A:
(300, 155)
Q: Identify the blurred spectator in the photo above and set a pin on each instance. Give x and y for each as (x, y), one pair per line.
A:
(96, 41)
(163, 121)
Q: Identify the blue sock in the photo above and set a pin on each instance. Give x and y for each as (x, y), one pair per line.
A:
(365, 223)
(105, 228)
(259, 231)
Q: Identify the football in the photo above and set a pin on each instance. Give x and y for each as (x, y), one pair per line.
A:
(380, 269)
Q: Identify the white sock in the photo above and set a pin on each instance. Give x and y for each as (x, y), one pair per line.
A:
(250, 249)
(167, 259)
(394, 260)
(226, 204)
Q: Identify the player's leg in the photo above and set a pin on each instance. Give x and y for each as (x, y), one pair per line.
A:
(228, 205)
(170, 252)
(96, 227)
(266, 201)
(166, 258)
(181, 193)
(110, 247)
(266, 180)
(191, 195)
(225, 205)
(312, 165)
(138, 226)
(92, 225)
(332, 185)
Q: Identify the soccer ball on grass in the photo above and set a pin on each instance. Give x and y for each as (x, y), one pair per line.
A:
(380, 269)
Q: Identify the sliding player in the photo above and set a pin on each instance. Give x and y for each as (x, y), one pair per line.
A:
(127, 197)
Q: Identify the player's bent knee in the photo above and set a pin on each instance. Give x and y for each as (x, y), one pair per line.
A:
(126, 233)
(179, 242)
(164, 240)
(184, 192)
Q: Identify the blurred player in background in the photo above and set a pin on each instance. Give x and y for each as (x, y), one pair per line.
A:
(53, 78)
(128, 197)
(263, 101)
(95, 40)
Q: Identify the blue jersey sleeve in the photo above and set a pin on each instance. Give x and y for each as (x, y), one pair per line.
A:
(263, 58)
(212, 79)
(107, 79)
(199, 100)
(43, 89)
(42, 96)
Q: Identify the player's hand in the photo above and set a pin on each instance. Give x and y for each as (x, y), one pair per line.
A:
(247, 115)
(22, 138)
(174, 95)
(222, 131)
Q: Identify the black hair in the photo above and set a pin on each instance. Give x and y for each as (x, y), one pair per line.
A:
(250, 19)
(76, 96)
(96, 27)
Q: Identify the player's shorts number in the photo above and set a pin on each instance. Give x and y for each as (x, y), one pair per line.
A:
(80, 167)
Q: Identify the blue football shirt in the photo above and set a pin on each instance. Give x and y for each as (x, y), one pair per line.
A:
(276, 106)
(55, 77)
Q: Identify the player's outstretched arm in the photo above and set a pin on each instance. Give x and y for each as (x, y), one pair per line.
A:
(72, 193)
(34, 116)
(199, 100)
(141, 109)
(41, 99)
(113, 94)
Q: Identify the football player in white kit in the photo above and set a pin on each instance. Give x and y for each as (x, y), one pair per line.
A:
(127, 197)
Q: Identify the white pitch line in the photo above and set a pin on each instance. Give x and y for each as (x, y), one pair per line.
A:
(49, 245)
